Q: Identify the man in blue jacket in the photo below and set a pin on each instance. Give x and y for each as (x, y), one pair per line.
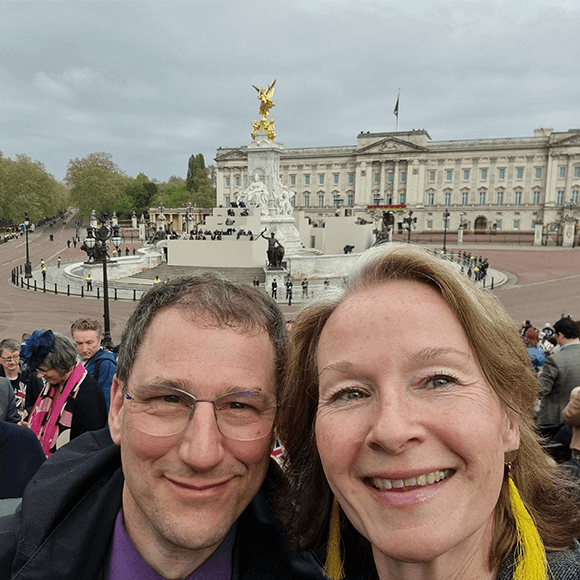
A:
(100, 363)
(181, 483)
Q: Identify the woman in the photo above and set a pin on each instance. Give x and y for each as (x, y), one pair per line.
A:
(71, 401)
(409, 399)
(537, 356)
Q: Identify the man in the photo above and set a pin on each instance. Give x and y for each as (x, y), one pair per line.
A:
(100, 363)
(8, 411)
(26, 385)
(304, 288)
(561, 372)
(178, 488)
(274, 289)
(89, 280)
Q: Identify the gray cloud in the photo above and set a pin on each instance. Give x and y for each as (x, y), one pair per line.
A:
(154, 82)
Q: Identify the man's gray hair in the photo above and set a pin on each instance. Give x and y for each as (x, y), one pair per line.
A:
(9, 344)
(64, 357)
(216, 301)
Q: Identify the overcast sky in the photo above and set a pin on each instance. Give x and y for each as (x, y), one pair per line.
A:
(155, 82)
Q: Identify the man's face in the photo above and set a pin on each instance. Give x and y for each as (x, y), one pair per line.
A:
(10, 360)
(87, 342)
(185, 491)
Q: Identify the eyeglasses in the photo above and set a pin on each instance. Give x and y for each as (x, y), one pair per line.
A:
(242, 415)
(15, 358)
(41, 371)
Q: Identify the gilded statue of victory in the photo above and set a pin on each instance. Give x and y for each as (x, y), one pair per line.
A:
(265, 98)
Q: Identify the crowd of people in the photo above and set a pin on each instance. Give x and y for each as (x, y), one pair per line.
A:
(410, 440)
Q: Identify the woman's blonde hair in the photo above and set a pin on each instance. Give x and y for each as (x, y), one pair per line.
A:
(305, 504)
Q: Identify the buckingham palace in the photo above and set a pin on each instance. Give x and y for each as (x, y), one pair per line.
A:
(503, 184)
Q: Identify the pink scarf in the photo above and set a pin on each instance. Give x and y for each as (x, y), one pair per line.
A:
(52, 417)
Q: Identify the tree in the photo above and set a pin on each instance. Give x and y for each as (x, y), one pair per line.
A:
(96, 187)
(202, 193)
(140, 192)
(103, 159)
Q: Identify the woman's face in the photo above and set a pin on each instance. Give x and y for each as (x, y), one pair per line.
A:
(411, 435)
(52, 376)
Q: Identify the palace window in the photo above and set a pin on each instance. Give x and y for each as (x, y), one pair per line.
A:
(501, 173)
(561, 172)
(389, 199)
(498, 224)
(464, 198)
(292, 180)
(516, 224)
(499, 197)
(431, 176)
(520, 173)
(429, 224)
(377, 177)
(227, 181)
(390, 177)
(321, 179)
(227, 200)
(430, 198)
(237, 182)
(350, 201)
(481, 197)
(403, 176)
(466, 175)
(335, 178)
(320, 201)
(576, 172)
(351, 178)
(447, 198)
(293, 201)
(448, 175)
(517, 197)
(538, 173)
(307, 180)
(483, 174)
(536, 197)
(402, 198)
(306, 200)
(560, 197)
(574, 197)
(377, 200)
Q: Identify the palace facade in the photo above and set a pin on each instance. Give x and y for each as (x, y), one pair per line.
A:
(506, 184)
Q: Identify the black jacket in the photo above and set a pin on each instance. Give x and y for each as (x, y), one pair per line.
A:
(64, 526)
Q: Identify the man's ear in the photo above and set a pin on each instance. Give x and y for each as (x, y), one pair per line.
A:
(115, 410)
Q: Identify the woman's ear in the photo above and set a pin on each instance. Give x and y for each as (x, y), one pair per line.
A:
(511, 431)
(115, 410)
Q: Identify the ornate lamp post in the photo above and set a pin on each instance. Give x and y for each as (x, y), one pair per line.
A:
(446, 215)
(27, 265)
(409, 222)
(97, 251)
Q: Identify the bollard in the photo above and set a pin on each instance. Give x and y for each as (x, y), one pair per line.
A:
(43, 287)
(98, 295)
(82, 291)
(492, 279)
(134, 295)
(55, 289)
(35, 285)
(68, 289)
(115, 294)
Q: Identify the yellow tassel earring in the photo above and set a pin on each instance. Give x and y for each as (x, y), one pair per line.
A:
(530, 561)
(333, 566)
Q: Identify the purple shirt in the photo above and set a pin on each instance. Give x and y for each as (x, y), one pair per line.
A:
(127, 564)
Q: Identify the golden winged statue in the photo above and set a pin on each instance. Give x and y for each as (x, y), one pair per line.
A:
(265, 98)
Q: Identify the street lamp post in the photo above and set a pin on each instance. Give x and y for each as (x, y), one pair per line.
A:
(27, 265)
(446, 215)
(409, 222)
(98, 251)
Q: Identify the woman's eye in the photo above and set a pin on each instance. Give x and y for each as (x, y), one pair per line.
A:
(440, 381)
(349, 395)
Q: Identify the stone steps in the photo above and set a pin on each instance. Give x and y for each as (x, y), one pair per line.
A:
(164, 271)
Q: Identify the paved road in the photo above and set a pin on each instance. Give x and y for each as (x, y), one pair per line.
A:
(24, 311)
(543, 283)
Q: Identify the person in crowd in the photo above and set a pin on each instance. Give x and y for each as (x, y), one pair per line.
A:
(71, 402)
(8, 410)
(560, 373)
(101, 364)
(20, 457)
(537, 356)
(415, 453)
(571, 416)
(181, 484)
(27, 386)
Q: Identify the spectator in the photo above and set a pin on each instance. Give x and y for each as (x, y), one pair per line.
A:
(71, 403)
(571, 416)
(537, 356)
(8, 411)
(26, 385)
(101, 364)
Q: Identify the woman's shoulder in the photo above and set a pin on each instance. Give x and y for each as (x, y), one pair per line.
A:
(563, 565)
